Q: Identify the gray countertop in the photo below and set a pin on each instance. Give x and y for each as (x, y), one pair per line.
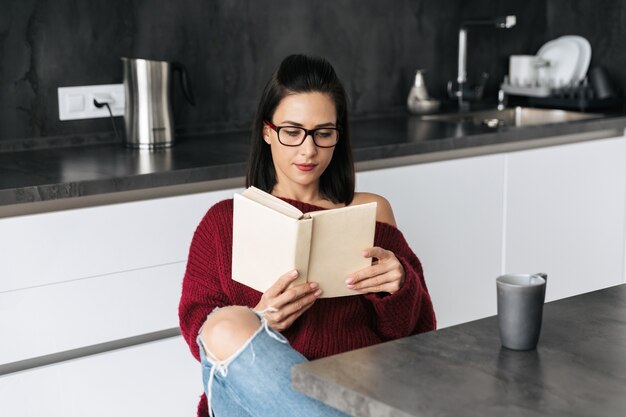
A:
(578, 368)
(59, 171)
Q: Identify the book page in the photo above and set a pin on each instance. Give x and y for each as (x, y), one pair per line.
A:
(339, 238)
(272, 202)
(267, 244)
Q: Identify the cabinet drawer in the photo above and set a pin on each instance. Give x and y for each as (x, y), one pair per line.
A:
(53, 247)
(54, 318)
(158, 379)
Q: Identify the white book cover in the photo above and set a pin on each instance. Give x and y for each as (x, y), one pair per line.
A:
(271, 237)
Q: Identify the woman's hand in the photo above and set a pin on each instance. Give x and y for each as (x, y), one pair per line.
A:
(290, 302)
(385, 275)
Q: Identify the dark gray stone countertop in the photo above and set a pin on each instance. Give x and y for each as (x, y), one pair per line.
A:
(59, 171)
(578, 368)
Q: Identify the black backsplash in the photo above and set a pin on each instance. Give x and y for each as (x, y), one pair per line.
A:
(603, 23)
(231, 47)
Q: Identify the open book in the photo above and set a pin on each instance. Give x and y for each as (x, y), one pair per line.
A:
(271, 237)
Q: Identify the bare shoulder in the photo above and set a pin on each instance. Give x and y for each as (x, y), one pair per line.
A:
(384, 213)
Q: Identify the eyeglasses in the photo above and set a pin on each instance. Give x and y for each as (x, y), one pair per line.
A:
(323, 137)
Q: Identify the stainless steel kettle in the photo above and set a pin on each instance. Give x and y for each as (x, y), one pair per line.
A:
(148, 111)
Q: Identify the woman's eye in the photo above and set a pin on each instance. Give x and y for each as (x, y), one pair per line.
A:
(323, 134)
(293, 132)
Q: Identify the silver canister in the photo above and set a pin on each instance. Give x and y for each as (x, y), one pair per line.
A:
(148, 116)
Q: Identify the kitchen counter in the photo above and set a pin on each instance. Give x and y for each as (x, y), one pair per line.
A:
(578, 368)
(61, 172)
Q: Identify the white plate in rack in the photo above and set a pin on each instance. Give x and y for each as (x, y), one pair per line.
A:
(563, 56)
(584, 58)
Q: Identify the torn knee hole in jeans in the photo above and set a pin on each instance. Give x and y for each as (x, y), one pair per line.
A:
(222, 366)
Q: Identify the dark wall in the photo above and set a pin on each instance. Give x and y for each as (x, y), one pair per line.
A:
(603, 23)
(231, 47)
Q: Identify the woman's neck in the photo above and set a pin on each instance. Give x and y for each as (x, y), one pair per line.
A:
(310, 195)
(307, 194)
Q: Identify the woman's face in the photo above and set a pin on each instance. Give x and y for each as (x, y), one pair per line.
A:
(301, 165)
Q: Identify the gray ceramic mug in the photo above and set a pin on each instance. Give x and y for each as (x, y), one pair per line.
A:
(520, 309)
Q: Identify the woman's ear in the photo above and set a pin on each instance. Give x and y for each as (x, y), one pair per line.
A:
(266, 134)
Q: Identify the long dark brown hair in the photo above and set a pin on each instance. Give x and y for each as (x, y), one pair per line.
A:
(303, 74)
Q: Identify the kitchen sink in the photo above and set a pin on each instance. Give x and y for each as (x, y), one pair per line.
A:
(516, 116)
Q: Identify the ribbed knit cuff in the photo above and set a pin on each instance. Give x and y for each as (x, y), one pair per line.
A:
(397, 312)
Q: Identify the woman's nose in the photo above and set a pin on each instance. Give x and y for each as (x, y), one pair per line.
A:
(308, 147)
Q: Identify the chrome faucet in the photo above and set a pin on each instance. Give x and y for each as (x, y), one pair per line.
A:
(462, 92)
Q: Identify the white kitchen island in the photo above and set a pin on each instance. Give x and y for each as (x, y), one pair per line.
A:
(89, 284)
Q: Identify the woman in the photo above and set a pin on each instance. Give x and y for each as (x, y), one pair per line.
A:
(248, 341)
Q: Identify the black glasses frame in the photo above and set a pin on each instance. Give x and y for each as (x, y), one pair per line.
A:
(307, 133)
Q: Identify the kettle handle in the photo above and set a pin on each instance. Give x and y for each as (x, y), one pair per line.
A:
(184, 81)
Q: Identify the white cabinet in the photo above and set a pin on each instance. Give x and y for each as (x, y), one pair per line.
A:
(56, 318)
(80, 277)
(451, 215)
(565, 215)
(47, 248)
(158, 379)
(559, 210)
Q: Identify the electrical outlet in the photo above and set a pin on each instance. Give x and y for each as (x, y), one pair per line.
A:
(77, 102)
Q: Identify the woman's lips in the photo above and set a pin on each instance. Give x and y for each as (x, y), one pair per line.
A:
(305, 167)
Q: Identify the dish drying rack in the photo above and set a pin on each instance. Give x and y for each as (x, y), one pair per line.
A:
(577, 96)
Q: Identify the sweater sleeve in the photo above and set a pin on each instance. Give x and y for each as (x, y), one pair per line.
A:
(201, 291)
(409, 310)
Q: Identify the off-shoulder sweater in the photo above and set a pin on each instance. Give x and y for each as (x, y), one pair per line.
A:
(331, 325)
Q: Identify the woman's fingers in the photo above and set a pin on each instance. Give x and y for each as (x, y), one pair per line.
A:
(366, 273)
(290, 303)
(296, 304)
(288, 321)
(386, 275)
(377, 252)
(377, 268)
(293, 293)
(282, 284)
(288, 313)
(387, 282)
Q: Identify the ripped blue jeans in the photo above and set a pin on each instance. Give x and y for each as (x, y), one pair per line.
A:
(256, 380)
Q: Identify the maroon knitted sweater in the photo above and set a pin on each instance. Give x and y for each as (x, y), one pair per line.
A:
(331, 325)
